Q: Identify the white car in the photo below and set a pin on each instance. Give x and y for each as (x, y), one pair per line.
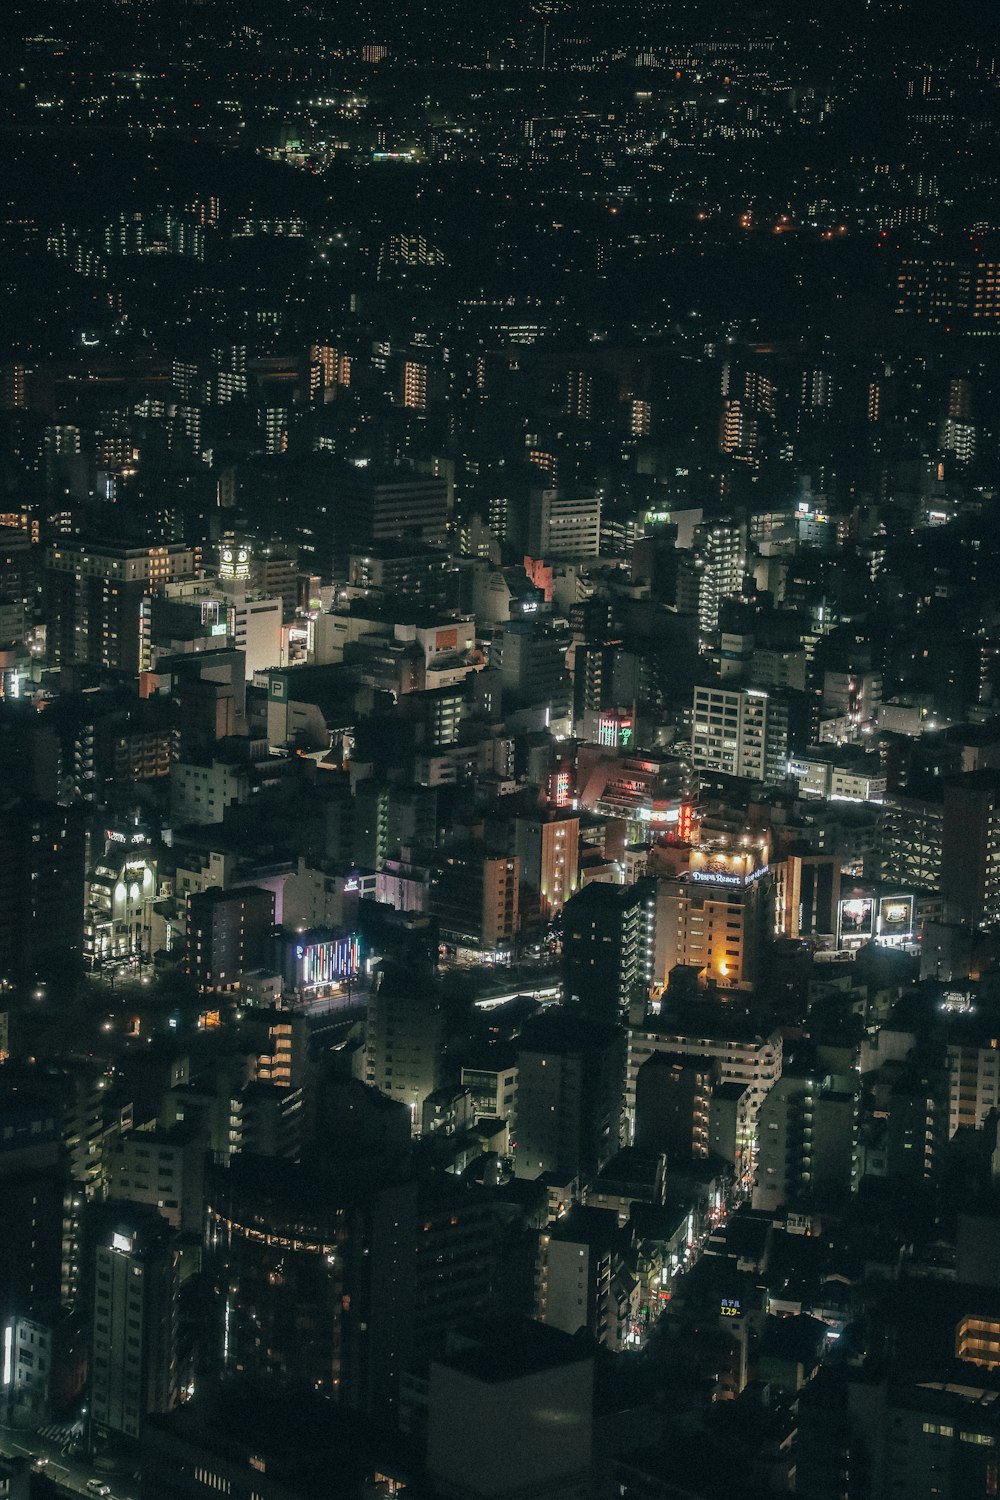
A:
(98, 1487)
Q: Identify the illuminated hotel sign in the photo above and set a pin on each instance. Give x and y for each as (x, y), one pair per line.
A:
(730, 1307)
(723, 877)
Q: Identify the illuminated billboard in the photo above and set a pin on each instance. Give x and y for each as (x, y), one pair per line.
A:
(857, 918)
(729, 867)
(326, 961)
(895, 917)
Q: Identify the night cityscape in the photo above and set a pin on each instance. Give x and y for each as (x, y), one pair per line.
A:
(500, 750)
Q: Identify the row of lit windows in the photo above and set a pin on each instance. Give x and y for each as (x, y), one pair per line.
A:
(942, 1429)
(212, 1480)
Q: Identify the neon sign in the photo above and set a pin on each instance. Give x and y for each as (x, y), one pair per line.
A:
(615, 731)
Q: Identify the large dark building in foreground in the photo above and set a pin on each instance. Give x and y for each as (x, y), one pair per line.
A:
(134, 1368)
(570, 1082)
(315, 1275)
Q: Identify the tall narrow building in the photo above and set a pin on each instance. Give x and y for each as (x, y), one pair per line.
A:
(607, 948)
(712, 571)
(41, 890)
(136, 1289)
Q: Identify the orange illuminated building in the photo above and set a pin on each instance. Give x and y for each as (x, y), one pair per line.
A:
(714, 915)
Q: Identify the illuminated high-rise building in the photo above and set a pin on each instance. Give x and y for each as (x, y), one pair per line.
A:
(120, 891)
(714, 917)
(563, 526)
(13, 387)
(579, 395)
(748, 731)
(640, 418)
(743, 1053)
(711, 571)
(959, 438)
(415, 385)
(960, 400)
(476, 900)
(953, 289)
(404, 1041)
(807, 1137)
(332, 365)
(205, 211)
(548, 847)
(274, 421)
(738, 429)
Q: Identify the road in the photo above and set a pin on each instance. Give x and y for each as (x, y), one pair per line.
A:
(546, 994)
(535, 984)
(69, 1473)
